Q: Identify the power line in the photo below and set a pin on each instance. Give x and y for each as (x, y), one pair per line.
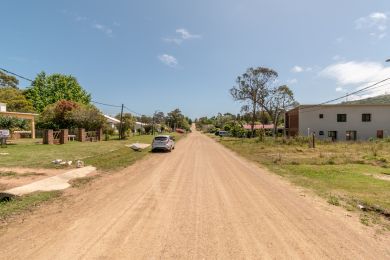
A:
(131, 111)
(17, 75)
(104, 104)
(349, 94)
(95, 102)
(313, 108)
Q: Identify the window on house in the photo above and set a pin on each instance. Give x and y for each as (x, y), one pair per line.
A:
(341, 117)
(351, 136)
(332, 135)
(321, 132)
(366, 117)
(379, 134)
(321, 115)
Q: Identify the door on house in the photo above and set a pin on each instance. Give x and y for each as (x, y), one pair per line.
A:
(351, 135)
(379, 134)
(332, 135)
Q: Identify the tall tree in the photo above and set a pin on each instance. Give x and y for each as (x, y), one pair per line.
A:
(46, 90)
(128, 123)
(280, 99)
(252, 89)
(175, 118)
(159, 117)
(8, 80)
(15, 100)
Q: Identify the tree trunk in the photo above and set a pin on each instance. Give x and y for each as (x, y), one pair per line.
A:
(253, 120)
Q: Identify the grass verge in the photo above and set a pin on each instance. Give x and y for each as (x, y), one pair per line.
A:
(105, 155)
(21, 204)
(345, 174)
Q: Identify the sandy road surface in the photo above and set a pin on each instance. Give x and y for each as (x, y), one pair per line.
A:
(200, 201)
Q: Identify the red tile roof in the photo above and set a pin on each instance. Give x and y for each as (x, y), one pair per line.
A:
(269, 126)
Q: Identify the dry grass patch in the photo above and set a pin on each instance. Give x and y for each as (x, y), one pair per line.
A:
(343, 173)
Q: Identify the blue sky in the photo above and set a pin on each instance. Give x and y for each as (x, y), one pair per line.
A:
(159, 55)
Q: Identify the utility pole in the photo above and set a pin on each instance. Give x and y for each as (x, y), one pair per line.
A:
(153, 123)
(120, 125)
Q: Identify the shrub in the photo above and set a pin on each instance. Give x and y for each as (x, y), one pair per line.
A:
(12, 123)
(66, 114)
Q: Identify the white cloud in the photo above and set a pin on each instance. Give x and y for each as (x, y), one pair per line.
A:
(105, 29)
(85, 20)
(182, 35)
(339, 89)
(358, 75)
(185, 34)
(168, 60)
(375, 23)
(292, 81)
(79, 18)
(339, 39)
(299, 69)
(173, 40)
(337, 58)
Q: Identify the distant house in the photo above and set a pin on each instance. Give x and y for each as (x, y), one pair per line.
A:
(339, 121)
(257, 127)
(139, 125)
(112, 121)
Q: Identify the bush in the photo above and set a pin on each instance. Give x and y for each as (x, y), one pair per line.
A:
(12, 123)
(66, 114)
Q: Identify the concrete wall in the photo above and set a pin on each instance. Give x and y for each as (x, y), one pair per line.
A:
(380, 120)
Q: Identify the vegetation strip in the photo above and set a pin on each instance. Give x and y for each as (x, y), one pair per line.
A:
(343, 173)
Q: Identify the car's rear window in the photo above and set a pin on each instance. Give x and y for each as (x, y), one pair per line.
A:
(160, 138)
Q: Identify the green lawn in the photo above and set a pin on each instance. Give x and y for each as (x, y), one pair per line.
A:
(343, 173)
(106, 155)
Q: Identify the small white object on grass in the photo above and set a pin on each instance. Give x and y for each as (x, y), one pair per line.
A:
(79, 164)
(57, 161)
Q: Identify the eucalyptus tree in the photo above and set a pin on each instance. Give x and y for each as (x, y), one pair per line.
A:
(280, 99)
(252, 89)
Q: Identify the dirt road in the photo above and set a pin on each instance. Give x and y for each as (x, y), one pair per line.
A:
(200, 201)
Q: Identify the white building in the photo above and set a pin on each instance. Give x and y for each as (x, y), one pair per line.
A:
(112, 121)
(340, 121)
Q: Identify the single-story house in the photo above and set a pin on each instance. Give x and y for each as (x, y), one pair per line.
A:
(257, 127)
(139, 125)
(339, 121)
(112, 121)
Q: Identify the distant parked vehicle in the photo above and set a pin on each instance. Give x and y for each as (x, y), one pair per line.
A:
(163, 143)
(222, 133)
(180, 131)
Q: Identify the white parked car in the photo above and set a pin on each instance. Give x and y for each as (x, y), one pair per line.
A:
(163, 142)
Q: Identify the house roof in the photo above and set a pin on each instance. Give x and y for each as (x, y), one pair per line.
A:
(319, 106)
(269, 126)
(342, 105)
(112, 119)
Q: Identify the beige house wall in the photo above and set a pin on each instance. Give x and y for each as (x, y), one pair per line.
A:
(310, 121)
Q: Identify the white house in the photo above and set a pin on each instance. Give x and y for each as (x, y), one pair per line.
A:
(112, 121)
(339, 121)
(139, 125)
